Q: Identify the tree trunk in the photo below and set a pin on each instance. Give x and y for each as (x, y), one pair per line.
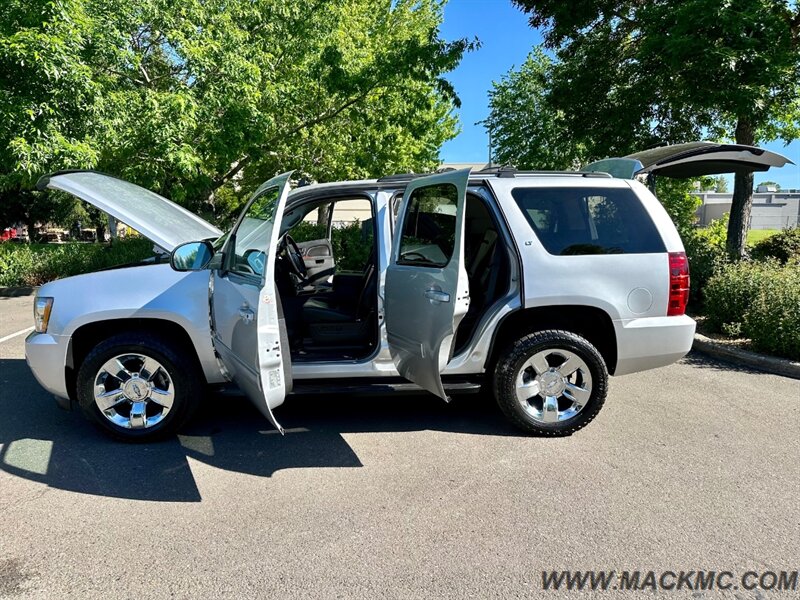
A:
(323, 215)
(30, 223)
(742, 202)
(112, 228)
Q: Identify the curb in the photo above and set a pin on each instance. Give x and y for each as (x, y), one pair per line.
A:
(13, 292)
(762, 362)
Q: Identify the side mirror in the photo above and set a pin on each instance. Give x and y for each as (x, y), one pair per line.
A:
(191, 256)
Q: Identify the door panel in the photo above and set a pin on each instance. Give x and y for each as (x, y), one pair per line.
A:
(247, 320)
(427, 290)
(318, 258)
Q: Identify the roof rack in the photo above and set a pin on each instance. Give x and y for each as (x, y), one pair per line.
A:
(500, 172)
(508, 171)
(401, 177)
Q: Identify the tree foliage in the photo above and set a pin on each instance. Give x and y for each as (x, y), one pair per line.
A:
(773, 183)
(633, 74)
(527, 131)
(199, 99)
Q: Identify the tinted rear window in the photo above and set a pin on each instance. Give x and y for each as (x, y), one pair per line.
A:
(570, 221)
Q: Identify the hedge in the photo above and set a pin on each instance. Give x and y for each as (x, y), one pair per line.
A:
(35, 264)
(783, 246)
(759, 300)
(352, 243)
(705, 249)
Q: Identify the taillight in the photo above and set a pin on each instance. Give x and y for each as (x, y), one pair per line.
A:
(678, 283)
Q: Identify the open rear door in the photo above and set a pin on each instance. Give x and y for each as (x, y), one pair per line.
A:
(248, 328)
(693, 159)
(427, 291)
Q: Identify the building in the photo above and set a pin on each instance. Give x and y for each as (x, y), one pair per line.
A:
(771, 209)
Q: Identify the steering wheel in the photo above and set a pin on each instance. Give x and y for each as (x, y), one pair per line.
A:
(295, 257)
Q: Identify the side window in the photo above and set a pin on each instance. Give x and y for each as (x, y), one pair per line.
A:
(394, 204)
(575, 221)
(352, 233)
(429, 226)
(251, 239)
(314, 225)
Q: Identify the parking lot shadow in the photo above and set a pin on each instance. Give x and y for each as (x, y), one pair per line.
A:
(61, 449)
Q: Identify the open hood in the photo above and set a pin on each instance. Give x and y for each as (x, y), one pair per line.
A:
(163, 222)
(693, 159)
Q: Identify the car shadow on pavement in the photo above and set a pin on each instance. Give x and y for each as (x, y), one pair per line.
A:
(704, 361)
(61, 449)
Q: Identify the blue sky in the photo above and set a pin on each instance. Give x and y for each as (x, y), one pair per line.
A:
(506, 41)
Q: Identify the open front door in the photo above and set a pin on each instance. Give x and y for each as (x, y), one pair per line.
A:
(247, 320)
(427, 291)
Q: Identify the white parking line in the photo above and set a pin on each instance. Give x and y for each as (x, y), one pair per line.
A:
(13, 335)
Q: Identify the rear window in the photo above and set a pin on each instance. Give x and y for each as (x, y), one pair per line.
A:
(573, 221)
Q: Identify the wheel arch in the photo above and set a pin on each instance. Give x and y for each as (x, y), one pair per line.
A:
(88, 335)
(589, 322)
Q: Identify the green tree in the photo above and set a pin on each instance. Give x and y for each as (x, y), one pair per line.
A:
(526, 130)
(199, 99)
(677, 198)
(635, 73)
(777, 185)
(48, 103)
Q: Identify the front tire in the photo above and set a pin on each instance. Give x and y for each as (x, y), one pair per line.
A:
(551, 383)
(138, 386)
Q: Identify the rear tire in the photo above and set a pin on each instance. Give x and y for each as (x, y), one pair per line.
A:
(550, 383)
(139, 387)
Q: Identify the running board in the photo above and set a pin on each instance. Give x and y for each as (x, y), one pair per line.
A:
(332, 386)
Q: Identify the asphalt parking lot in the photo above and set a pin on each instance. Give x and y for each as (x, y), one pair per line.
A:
(694, 466)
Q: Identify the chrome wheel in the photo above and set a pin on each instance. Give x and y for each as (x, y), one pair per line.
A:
(133, 391)
(553, 385)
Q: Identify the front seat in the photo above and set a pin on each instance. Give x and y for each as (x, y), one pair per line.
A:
(332, 319)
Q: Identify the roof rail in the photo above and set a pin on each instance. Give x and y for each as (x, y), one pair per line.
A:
(509, 171)
(401, 177)
(500, 172)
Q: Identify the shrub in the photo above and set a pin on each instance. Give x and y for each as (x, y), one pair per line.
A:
(352, 243)
(730, 291)
(681, 205)
(783, 246)
(34, 264)
(772, 321)
(760, 300)
(705, 249)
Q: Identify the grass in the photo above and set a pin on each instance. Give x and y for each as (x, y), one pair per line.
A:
(756, 235)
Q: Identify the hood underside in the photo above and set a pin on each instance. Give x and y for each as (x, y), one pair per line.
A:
(163, 222)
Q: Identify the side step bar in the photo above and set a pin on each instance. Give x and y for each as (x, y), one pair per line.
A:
(358, 387)
(376, 387)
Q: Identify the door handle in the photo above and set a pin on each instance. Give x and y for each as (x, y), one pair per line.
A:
(437, 295)
(246, 315)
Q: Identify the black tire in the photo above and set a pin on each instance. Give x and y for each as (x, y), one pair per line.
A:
(186, 378)
(510, 364)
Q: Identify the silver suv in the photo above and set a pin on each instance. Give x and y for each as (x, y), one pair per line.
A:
(535, 286)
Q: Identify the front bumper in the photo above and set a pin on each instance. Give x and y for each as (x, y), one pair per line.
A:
(46, 355)
(652, 342)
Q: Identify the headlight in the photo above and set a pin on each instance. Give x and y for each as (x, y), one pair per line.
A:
(41, 313)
